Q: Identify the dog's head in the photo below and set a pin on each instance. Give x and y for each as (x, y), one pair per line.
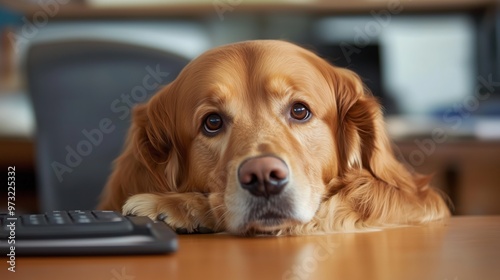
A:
(267, 123)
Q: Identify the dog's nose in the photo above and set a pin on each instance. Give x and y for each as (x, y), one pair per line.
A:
(263, 176)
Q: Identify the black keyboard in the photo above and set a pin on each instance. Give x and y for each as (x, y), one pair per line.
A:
(84, 232)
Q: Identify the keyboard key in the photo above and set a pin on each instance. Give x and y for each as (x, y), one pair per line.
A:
(81, 217)
(58, 218)
(34, 219)
(107, 216)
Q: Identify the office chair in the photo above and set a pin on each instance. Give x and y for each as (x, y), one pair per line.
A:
(82, 91)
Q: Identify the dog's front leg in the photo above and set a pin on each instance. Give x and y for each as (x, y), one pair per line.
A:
(189, 212)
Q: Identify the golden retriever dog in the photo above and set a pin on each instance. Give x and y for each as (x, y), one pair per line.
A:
(266, 137)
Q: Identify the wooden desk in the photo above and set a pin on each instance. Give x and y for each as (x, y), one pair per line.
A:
(463, 248)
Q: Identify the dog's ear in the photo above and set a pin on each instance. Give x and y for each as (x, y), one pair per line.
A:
(360, 131)
(150, 160)
(375, 185)
(153, 142)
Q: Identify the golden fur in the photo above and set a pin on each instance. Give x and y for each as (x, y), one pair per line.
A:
(344, 175)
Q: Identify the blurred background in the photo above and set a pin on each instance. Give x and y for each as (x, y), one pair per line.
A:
(70, 70)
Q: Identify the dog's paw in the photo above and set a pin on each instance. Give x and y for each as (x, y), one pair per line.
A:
(141, 205)
(183, 212)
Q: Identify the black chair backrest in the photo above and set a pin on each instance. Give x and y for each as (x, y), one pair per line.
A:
(82, 93)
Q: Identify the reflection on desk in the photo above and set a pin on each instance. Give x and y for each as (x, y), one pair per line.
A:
(462, 248)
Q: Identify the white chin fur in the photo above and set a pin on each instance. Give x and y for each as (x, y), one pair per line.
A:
(304, 208)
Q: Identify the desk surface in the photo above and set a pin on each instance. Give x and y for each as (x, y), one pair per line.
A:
(463, 248)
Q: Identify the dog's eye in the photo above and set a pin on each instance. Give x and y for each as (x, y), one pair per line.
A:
(300, 112)
(212, 124)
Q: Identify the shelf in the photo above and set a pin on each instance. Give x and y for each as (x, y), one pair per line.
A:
(83, 10)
